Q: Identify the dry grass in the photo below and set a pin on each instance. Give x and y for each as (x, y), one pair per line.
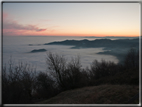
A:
(103, 94)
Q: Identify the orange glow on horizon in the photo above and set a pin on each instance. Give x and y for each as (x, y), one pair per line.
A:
(125, 34)
(15, 32)
(74, 34)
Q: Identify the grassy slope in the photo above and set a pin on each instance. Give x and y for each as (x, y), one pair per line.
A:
(103, 94)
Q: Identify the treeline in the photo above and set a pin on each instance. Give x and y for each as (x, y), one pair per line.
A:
(22, 84)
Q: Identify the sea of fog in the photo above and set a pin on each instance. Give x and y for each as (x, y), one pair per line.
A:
(19, 49)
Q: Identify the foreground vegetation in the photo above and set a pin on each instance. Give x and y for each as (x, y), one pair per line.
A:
(22, 84)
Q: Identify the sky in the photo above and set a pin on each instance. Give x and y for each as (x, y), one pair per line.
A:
(71, 19)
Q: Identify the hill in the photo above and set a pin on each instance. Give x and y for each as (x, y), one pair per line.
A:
(107, 43)
(38, 50)
(103, 94)
(116, 48)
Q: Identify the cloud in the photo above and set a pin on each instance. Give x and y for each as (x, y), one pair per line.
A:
(41, 30)
(15, 25)
(12, 24)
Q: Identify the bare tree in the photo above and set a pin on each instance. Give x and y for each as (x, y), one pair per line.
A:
(57, 65)
(67, 73)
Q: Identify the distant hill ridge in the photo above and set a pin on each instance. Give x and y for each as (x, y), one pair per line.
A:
(117, 48)
(125, 43)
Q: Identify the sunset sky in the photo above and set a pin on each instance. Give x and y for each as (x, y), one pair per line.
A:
(71, 19)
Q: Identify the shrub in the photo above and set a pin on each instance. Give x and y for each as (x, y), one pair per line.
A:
(44, 85)
(17, 83)
(131, 59)
(102, 69)
(110, 73)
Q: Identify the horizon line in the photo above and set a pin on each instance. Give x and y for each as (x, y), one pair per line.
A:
(66, 36)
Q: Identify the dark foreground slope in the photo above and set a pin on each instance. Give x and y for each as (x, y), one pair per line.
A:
(103, 94)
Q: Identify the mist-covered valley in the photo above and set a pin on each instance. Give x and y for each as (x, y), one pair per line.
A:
(33, 49)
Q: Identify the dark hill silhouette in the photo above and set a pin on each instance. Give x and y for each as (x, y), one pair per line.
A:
(38, 50)
(117, 47)
(98, 43)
